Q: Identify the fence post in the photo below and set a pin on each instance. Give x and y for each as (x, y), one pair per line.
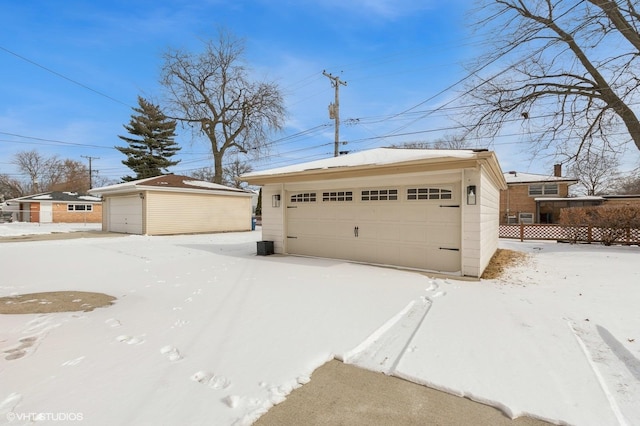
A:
(589, 235)
(521, 232)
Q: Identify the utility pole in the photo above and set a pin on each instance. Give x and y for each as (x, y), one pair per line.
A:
(334, 108)
(90, 170)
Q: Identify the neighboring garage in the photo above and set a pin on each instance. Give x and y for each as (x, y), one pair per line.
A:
(431, 210)
(172, 204)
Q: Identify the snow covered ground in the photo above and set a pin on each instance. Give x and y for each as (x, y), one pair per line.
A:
(206, 332)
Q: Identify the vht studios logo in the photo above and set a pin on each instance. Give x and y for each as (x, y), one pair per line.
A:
(42, 417)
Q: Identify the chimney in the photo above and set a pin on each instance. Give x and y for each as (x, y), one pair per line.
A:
(557, 170)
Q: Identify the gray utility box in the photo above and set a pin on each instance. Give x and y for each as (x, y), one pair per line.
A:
(265, 248)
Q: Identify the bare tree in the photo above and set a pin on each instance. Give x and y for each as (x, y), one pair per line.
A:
(41, 171)
(205, 174)
(45, 174)
(445, 142)
(570, 75)
(74, 177)
(211, 92)
(11, 188)
(628, 184)
(451, 142)
(234, 169)
(595, 171)
(413, 145)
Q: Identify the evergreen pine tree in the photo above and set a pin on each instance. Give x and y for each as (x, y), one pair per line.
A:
(152, 143)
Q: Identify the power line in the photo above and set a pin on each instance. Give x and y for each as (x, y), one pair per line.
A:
(84, 86)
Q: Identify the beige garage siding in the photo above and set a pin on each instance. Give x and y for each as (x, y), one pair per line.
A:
(180, 213)
(489, 220)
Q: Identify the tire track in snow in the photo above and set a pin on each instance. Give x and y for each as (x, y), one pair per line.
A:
(601, 380)
(383, 350)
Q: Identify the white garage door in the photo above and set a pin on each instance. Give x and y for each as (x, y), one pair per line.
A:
(125, 214)
(415, 226)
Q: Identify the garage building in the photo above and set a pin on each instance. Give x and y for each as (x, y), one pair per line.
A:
(434, 210)
(173, 204)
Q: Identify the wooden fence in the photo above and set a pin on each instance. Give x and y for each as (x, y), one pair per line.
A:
(586, 234)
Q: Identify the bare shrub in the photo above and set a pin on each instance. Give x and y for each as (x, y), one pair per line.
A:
(610, 223)
(574, 221)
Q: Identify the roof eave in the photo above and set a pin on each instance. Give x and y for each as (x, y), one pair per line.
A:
(429, 164)
(153, 188)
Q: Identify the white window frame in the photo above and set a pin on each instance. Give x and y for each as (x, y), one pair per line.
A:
(544, 189)
(526, 218)
(76, 207)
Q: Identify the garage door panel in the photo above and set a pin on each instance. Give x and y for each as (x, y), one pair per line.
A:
(400, 232)
(125, 215)
(321, 246)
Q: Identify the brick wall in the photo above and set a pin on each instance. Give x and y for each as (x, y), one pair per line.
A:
(62, 215)
(517, 200)
(623, 202)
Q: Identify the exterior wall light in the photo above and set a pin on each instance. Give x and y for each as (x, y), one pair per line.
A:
(275, 200)
(471, 194)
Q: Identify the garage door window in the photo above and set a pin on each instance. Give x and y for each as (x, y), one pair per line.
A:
(337, 196)
(379, 195)
(428, 194)
(306, 197)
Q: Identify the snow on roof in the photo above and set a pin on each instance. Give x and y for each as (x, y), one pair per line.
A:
(583, 198)
(210, 185)
(377, 156)
(165, 181)
(65, 197)
(89, 198)
(518, 177)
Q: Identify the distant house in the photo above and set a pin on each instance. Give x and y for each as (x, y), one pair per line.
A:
(622, 200)
(536, 198)
(173, 204)
(426, 209)
(57, 207)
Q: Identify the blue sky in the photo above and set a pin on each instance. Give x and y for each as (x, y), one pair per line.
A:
(71, 71)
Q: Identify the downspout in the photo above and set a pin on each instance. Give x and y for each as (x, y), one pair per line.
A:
(285, 230)
(463, 207)
(508, 204)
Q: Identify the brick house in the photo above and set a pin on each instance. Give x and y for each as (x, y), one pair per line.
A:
(536, 198)
(57, 207)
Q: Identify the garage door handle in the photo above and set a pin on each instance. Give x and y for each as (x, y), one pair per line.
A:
(454, 206)
(449, 248)
(355, 232)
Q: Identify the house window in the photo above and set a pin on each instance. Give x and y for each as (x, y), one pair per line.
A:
(525, 217)
(79, 207)
(379, 195)
(337, 196)
(306, 197)
(550, 189)
(535, 189)
(546, 189)
(428, 194)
